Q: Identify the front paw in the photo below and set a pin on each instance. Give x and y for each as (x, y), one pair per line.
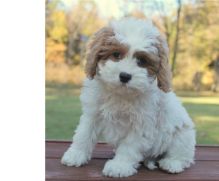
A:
(74, 157)
(171, 165)
(114, 168)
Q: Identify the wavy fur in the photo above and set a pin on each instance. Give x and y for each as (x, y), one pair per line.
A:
(142, 119)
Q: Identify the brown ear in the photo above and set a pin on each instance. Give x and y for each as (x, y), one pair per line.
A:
(93, 49)
(164, 75)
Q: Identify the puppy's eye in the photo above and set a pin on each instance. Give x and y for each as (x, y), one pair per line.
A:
(116, 55)
(142, 62)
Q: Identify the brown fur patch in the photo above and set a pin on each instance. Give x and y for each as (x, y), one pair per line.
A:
(164, 74)
(151, 61)
(103, 44)
(100, 48)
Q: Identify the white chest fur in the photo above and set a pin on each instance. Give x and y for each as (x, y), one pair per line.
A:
(149, 116)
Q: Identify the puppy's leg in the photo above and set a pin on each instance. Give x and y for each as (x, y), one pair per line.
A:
(150, 164)
(180, 154)
(84, 140)
(126, 160)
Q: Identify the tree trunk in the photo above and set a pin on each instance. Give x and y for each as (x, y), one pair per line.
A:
(175, 48)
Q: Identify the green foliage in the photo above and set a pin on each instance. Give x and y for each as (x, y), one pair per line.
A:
(82, 21)
(56, 33)
(68, 30)
(198, 44)
(200, 25)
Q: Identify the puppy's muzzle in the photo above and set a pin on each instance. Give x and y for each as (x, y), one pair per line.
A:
(125, 77)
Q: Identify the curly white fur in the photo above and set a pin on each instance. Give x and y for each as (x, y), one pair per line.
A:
(140, 120)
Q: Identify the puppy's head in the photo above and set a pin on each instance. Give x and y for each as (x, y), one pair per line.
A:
(129, 54)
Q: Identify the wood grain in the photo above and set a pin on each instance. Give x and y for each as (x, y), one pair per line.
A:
(205, 168)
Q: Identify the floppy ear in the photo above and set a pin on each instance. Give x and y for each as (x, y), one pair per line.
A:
(164, 75)
(94, 46)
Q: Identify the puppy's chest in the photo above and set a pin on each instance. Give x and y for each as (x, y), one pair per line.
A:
(115, 123)
(115, 110)
(115, 114)
(117, 118)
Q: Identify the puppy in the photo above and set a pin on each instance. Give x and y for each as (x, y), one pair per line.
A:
(127, 99)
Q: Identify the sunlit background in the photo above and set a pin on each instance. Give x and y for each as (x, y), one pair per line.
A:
(192, 31)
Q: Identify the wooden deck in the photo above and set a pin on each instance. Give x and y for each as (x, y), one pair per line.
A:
(206, 167)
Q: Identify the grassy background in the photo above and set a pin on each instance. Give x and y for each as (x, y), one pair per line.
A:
(63, 110)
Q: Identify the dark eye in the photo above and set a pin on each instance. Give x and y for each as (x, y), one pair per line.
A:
(142, 62)
(116, 55)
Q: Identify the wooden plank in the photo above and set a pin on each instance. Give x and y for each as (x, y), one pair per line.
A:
(202, 170)
(55, 149)
(205, 168)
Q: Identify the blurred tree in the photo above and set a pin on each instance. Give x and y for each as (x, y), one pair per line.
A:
(191, 28)
(170, 22)
(56, 32)
(175, 46)
(192, 31)
(82, 21)
(215, 66)
(199, 42)
(201, 25)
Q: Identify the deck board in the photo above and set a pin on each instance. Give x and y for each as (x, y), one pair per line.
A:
(205, 168)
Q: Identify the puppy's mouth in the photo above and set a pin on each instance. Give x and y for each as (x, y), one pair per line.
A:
(136, 85)
(119, 87)
(127, 89)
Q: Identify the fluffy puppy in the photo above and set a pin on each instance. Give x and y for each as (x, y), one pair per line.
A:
(127, 99)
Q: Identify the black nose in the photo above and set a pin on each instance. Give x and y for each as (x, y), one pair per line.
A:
(125, 77)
